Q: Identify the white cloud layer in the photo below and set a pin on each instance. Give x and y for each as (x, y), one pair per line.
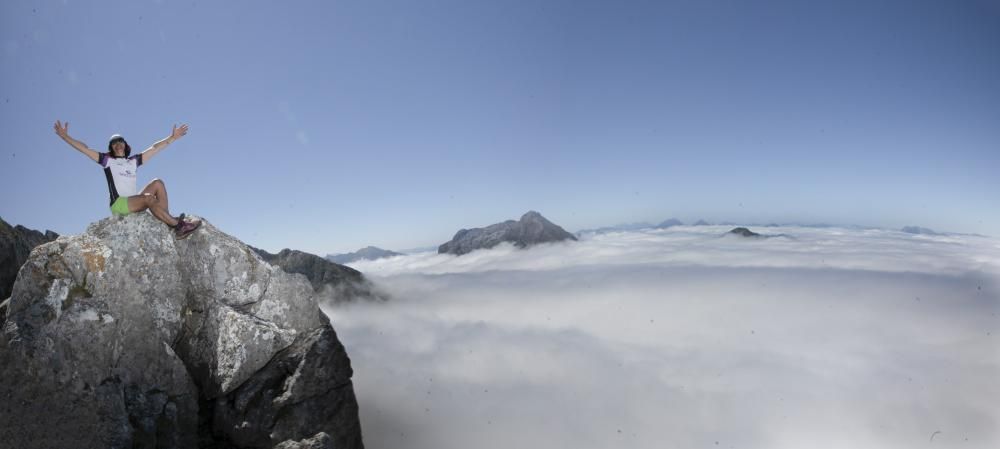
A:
(822, 338)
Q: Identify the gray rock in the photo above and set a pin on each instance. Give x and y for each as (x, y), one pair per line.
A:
(532, 229)
(16, 242)
(320, 441)
(333, 283)
(316, 393)
(123, 337)
(366, 253)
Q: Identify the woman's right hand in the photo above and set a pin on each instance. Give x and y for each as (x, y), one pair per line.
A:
(62, 130)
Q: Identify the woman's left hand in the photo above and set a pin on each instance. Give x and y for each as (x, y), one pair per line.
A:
(177, 133)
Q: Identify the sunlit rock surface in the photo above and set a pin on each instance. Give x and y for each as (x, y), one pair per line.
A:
(123, 337)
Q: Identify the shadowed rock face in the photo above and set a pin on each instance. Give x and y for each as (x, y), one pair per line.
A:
(123, 337)
(16, 242)
(334, 283)
(532, 229)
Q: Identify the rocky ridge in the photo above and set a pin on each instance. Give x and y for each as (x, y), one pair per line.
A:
(333, 283)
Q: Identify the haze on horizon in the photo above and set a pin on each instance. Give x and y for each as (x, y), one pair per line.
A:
(328, 126)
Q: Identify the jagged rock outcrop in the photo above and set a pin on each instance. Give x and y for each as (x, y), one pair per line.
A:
(366, 253)
(16, 243)
(320, 441)
(532, 229)
(123, 337)
(333, 283)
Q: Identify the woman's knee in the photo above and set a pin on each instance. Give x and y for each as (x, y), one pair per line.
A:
(158, 183)
(140, 202)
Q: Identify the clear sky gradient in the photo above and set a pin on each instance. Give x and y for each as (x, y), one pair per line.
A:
(331, 125)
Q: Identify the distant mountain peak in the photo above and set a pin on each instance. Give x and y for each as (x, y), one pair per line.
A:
(743, 232)
(919, 230)
(670, 222)
(531, 229)
(616, 228)
(366, 253)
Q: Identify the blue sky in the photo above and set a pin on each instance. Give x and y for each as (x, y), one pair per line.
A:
(328, 126)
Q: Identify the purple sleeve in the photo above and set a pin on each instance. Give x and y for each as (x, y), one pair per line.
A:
(138, 160)
(102, 159)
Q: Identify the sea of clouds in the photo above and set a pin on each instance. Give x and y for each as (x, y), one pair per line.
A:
(684, 338)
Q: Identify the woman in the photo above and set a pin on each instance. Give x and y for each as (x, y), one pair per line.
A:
(120, 169)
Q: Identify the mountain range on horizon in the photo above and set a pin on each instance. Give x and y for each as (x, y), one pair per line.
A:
(366, 253)
(636, 226)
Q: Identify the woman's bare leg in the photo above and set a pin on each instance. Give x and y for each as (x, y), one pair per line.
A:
(139, 203)
(159, 190)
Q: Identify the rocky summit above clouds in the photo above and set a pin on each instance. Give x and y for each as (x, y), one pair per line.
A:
(333, 283)
(532, 229)
(16, 242)
(366, 253)
(744, 232)
(123, 337)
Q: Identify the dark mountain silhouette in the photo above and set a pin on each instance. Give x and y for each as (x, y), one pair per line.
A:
(744, 232)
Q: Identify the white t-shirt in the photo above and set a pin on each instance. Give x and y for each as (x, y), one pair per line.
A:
(120, 172)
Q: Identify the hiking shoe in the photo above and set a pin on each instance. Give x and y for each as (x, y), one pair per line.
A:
(185, 227)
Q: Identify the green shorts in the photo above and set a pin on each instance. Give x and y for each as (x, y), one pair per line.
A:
(120, 206)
